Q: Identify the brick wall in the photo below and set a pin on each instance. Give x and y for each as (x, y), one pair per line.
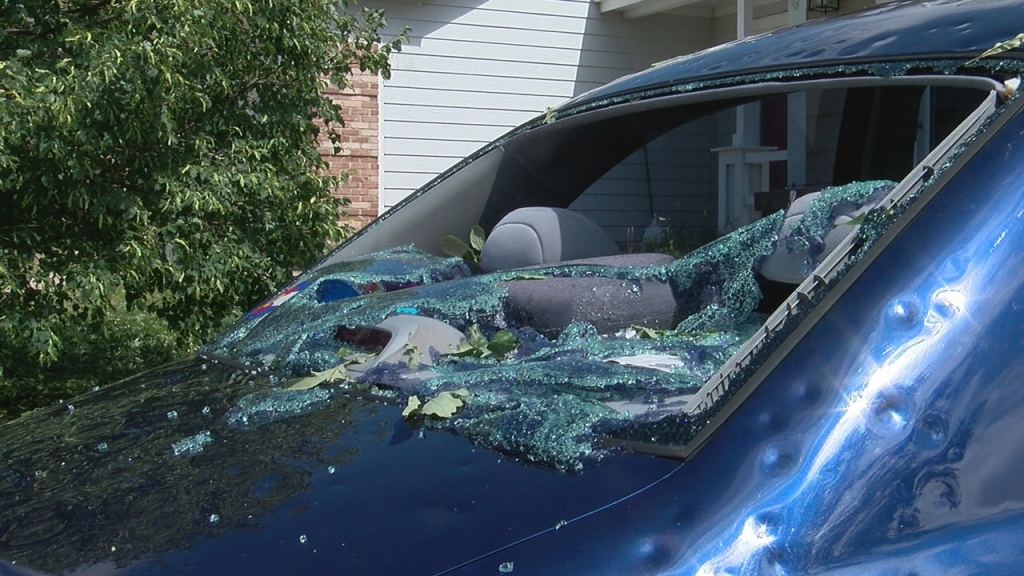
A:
(359, 141)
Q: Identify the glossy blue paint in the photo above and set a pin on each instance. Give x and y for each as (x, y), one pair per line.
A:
(899, 31)
(348, 487)
(889, 441)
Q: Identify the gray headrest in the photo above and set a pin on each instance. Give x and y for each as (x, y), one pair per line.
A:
(542, 235)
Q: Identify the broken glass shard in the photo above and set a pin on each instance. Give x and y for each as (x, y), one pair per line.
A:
(193, 444)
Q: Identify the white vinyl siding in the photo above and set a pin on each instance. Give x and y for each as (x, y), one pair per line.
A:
(672, 177)
(475, 69)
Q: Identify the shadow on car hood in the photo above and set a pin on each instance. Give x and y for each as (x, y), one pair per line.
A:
(196, 469)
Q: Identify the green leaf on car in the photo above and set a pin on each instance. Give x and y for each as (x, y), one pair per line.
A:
(454, 246)
(1011, 44)
(444, 405)
(411, 406)
(503, 343)
(477, 345)
(475, 337)
(330, 375)
(476, 238)
(337, 374)
(858, 220)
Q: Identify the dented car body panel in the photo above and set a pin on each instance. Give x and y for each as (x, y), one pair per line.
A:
(399, 411)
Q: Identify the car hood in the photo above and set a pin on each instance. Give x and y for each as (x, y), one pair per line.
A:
(201, 469)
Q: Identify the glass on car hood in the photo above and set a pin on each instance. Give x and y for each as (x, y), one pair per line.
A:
(548, 361)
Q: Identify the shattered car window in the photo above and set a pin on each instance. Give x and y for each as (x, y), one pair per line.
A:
(540, 361)
(524, 400)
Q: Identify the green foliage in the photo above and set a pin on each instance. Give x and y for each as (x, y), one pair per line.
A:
(858, 220)
(1000, 47)
(92, 354)
(165, 150)
(455, 246)
(337, 374)
(477, 345)
(650, 333)
(442, 406)
(679, 243)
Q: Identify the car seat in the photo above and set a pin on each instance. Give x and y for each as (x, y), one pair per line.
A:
(609, 304)
(540, 236)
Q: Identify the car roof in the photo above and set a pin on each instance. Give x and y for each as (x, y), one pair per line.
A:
(892, 32)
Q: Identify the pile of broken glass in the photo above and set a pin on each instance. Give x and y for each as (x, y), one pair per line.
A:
(504, 380)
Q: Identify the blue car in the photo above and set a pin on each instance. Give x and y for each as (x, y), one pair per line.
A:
(755, 310)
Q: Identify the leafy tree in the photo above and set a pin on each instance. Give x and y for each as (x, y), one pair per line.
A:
(158, 162)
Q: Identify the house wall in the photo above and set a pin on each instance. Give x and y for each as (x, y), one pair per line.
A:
(672, 179)
(358, 158)
(474, 69)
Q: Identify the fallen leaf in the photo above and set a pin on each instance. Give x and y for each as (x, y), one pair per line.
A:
(411, 406)
(475, 337)
(476, 238)
(412, 355)
(465, 351)
(336, 374)
(444, 405)
(647, 333)
(503, 343)
(454, 246)
(858, 220)
(1015, 42)
(330, 375)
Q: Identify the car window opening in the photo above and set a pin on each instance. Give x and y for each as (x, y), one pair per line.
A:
(608, 299)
